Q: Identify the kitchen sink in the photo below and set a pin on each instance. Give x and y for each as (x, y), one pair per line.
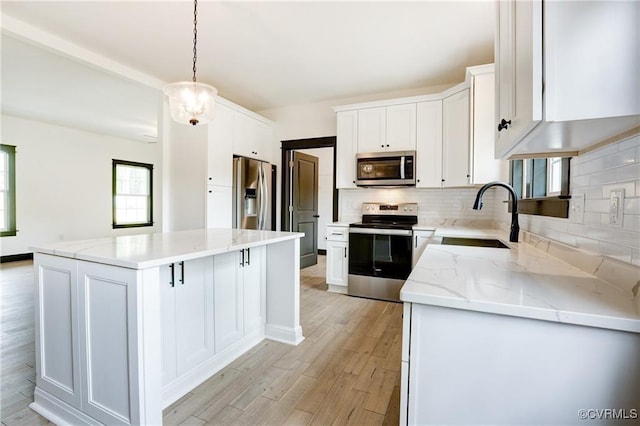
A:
(476, 242)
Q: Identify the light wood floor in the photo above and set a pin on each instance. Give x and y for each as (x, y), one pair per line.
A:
(346, 371)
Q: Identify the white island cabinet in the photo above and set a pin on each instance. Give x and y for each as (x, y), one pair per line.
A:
(127, 325)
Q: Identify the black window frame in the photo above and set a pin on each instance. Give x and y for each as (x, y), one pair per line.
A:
(149, 221)
(11, 220)
(532, 199)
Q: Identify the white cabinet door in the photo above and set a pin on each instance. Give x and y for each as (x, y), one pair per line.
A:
(484, 166)
(228, 305)
(194, 313)
(220, 147)
(219, 206)
(108, 333)
(56, 307)
(186, 291)
(168, 325)
(337, 263)
(518, 69)
(455, 139)
(420, 241)
(346, 148)
(253, 282)
(429, 144)
(372, 130)
(253, 138)
(401, 128)
(247, 136)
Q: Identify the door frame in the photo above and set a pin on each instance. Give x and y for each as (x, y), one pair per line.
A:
(299, 144)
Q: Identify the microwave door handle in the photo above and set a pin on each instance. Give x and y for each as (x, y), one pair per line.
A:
(402, 167)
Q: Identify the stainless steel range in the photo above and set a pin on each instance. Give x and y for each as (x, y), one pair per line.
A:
(380, 249)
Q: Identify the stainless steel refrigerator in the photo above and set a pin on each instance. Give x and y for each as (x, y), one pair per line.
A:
(252, 194)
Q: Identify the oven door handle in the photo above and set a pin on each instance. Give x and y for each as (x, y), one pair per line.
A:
(370, 231)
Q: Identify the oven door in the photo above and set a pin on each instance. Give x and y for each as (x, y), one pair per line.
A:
(382, 253)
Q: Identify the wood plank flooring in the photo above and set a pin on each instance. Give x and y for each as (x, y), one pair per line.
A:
(345, 372)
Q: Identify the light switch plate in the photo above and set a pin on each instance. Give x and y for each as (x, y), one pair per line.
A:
(616, 206)
(576, 208)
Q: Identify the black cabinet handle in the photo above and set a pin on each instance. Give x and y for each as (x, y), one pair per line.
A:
(182, 273)
(416, 241)
(504, 124)
(172, 281)
(316, 215)
(345, 252)
(242, 258)
(248, 256)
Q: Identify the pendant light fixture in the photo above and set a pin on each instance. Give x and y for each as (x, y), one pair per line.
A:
(191, 102)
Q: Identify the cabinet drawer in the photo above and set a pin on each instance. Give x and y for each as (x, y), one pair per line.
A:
(337, 233)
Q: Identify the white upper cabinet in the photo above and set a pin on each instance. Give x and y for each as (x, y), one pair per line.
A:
(390, 128)
(575, 90)
(253, 137)
(484, 167)
(401, 128)
(455, 139)
(429, 144)
(372, 126)
(220, 147)
(347, 137)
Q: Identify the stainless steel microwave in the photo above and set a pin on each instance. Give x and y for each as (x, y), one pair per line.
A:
(386, 169)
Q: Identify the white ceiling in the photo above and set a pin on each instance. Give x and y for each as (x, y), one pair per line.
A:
(269, 54)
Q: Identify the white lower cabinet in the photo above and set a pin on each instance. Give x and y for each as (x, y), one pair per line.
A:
(420, 240)
(238, 301)
(187, 301)
(337, 258)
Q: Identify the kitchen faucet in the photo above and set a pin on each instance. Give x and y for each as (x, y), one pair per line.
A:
(515, 228)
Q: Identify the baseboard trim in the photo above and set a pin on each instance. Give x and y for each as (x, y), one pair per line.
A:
(291, 336)
(16, 257)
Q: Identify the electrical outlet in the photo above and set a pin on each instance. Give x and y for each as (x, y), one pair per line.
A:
(576, 208)
(616, 205)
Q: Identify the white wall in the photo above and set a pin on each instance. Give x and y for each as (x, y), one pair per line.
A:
(325, 191)
(595, 174)
(64, 185)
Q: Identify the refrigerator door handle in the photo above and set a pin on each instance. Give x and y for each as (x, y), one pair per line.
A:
(261, 207)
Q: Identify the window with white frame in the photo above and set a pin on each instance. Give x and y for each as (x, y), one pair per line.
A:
(7, 191)
(132, 194)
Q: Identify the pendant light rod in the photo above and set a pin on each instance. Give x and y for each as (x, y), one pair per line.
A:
(191, 102)
(195, 37)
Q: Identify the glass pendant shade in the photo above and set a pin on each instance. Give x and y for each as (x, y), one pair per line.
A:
(191, 102)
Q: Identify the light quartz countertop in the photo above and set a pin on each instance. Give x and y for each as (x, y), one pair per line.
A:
(521, 281)
(150, 250)
(340, 224)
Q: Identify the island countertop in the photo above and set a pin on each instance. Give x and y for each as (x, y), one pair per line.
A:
(521, 281)
(150, 250)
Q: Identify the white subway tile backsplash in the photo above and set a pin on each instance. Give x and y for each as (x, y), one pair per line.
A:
(633, 142)
(631, 205)
(596, 206)
(596, 174)
(628, 173)
(629, 189)
(620, 159)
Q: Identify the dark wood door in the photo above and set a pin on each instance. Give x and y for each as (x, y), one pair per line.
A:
(305, 206)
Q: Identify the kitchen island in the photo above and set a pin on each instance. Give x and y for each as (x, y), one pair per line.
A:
(515, 336)
(127, 325)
